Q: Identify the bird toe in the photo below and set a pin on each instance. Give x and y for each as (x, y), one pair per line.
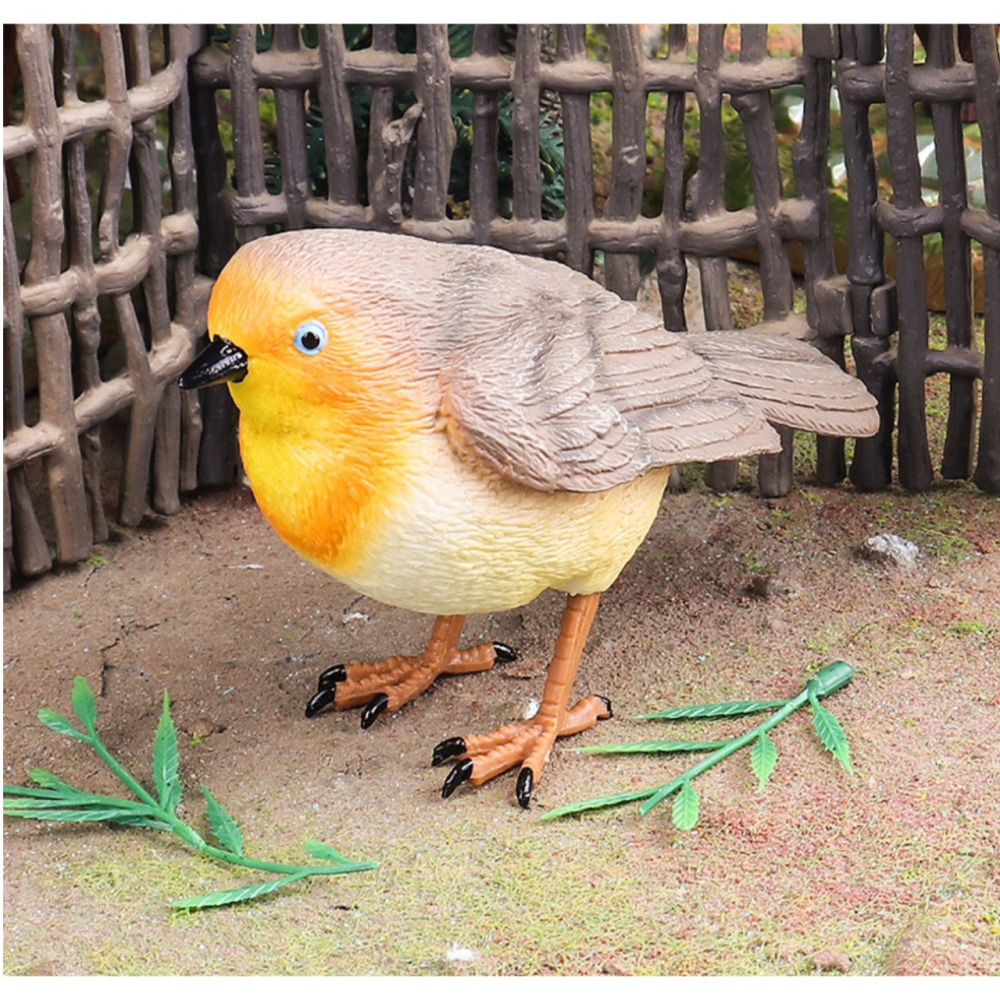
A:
(504, 653)
(323, 697)
(454, 746)
(459, 774)
(374, 709)
(524, 787)
(331, 677)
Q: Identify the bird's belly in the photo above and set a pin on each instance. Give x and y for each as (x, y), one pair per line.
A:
(458, 541)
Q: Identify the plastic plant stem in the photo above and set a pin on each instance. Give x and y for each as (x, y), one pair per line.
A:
(192, 837)
(813, 687)
(148, 811)
(828, 680)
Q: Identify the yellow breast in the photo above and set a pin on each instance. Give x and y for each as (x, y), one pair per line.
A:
(453, 540)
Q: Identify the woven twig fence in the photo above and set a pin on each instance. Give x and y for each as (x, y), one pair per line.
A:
(877, 66)
(146, 286)
(692, 219)
(84, 279)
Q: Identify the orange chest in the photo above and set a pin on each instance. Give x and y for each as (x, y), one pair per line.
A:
(324, 498)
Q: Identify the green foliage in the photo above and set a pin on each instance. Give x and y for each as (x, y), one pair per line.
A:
(657, 746)
(57, 801)
(551, 155)
(831, 733)
(166, 761)
(84, 704)
(242, 895)
(763, 756)
(687, 807)
(226, 829)
(59, 724)
(715, 711)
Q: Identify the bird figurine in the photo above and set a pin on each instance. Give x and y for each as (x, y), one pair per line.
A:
(454, 429)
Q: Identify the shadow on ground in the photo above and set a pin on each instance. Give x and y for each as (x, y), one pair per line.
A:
(893, 870)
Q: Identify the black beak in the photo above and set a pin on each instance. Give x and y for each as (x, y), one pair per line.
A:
(221, 361)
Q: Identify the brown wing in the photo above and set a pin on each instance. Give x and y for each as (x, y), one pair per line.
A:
(560, 385)
(789, 381)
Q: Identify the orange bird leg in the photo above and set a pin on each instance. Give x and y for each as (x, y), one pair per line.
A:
(391, 683)
(529, 743)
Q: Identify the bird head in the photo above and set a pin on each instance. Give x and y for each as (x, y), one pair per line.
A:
(320, 368)
(288, 334)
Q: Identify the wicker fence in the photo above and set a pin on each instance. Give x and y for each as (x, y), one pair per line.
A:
(100, 316)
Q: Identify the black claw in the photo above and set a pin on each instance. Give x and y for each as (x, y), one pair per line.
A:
(454, 746)
(331, 676)
(504, 653)
(374, 709)
(525, 786)
(460, 773)
(607, 702)
(319, 700)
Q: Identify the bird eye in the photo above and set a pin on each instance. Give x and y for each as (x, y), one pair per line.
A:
(310, 337)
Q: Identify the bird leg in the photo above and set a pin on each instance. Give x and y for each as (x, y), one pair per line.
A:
(389, 684)
(529, 743)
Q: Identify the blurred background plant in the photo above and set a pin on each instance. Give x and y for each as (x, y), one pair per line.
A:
(787, 103)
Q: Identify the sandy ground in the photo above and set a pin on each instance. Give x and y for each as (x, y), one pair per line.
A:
(893, 870)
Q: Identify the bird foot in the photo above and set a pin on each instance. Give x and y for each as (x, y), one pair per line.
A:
(526, 743)
(389, 684)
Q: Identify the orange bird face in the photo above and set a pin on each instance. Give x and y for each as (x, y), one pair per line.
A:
(325, 409)
(300, 342)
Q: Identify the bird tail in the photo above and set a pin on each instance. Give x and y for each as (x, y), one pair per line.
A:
(788, 381)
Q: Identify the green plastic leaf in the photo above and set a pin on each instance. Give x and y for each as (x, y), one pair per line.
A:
(229, 896)
(84, 704)
(143, 821)
(763, 757)
(832, 735)
(54, 800)
(764, 754)
(687, 807)
(225, 828)
(61, 725)
(65, 796)
(166, 761)
(23, 792)
(657, 795)
(48, 780)
(656, 746)
(44, 798)
(75, 806)
(600, 803)
(325, 852)
(715, 710)
(54, 812)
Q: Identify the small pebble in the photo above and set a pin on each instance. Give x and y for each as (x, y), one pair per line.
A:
(889, 548)
(203, 727)
(831, 960)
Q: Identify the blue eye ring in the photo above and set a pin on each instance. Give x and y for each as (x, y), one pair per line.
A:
(310, 337)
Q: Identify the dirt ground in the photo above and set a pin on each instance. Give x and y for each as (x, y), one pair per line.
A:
(893, 870)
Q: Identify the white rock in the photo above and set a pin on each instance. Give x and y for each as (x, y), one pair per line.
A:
(891, 549)
(457, 953)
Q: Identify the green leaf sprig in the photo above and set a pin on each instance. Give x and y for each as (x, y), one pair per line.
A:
(763, 755)
(57, 801)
